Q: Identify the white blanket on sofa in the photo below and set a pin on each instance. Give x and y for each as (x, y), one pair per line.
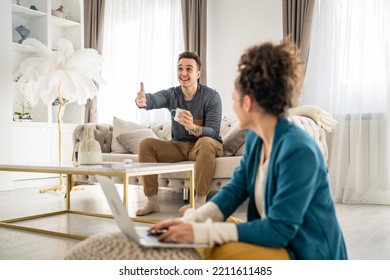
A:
(319, 115)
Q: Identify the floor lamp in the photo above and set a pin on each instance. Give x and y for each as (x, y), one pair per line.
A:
(61, 107)
(63, 74)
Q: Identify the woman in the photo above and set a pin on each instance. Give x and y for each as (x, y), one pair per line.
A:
(291, 214)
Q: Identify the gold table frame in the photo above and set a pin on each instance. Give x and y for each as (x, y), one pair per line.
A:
(106, 169)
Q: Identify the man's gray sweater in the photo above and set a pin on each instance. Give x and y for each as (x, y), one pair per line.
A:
(205, 107)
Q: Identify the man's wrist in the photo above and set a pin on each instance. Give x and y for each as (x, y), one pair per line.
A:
(195, 130)
(136, 103)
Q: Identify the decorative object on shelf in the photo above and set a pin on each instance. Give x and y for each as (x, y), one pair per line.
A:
(25, 114)
(33, 7)
(54, 104)
(64, 74)
(69, 16)
(23, 31)
(18, 2)
(58, 12)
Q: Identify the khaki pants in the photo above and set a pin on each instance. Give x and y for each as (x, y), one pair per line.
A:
(203, 152)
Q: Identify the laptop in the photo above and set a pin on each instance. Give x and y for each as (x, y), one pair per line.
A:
(138, 234)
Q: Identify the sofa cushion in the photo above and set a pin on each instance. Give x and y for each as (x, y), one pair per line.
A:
(226, 125)
(130, 140)
(162, 130)
(103, 134)
(233, 140)
(240, 150)
(120, 127)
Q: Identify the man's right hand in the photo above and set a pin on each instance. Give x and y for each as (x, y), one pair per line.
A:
(141, 99)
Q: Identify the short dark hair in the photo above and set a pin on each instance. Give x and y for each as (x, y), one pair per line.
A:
(272, 75)
(192, 55)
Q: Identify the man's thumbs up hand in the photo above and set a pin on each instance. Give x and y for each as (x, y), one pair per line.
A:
(141, 99)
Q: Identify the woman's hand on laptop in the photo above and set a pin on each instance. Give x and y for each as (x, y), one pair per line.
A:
(173, 231)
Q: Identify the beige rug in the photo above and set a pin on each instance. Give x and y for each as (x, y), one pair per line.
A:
(116, 246)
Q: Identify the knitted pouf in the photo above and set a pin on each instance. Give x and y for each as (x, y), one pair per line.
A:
(116, 246)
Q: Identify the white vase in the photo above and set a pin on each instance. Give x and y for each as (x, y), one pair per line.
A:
(89, 151)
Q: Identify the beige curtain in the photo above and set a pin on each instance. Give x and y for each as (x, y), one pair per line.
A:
(93, 38)
(195, 33)
(297, 21)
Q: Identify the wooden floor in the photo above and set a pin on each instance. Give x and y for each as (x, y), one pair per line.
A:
(366, 227)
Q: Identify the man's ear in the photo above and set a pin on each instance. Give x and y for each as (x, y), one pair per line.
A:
(198, 74)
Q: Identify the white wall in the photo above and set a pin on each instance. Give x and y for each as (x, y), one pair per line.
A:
(5, 95)
(233, 26)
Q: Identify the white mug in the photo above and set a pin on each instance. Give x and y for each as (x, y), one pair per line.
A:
(176, 113)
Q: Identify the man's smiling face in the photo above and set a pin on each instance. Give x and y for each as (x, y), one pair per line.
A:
(187, 72)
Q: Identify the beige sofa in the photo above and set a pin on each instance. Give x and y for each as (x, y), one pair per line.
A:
(130, 134)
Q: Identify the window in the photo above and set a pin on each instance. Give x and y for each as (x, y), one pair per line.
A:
(349, 62)
(143, 39)
(362, 47)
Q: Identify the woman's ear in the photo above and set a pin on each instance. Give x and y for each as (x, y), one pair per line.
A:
(247, 103)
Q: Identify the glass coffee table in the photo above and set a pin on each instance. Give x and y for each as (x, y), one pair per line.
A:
(113, 169)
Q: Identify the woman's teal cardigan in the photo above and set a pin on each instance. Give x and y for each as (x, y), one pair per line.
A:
(298, 202)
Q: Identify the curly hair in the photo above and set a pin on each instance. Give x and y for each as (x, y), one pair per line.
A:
(272, 75)
(191, 55)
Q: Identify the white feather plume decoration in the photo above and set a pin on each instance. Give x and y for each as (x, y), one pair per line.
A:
(79, 73)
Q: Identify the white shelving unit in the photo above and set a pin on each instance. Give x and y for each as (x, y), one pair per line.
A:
(62, 22)
(38, 140)
(19, 10)
(6, 100)
(48, 29)
(18, 48)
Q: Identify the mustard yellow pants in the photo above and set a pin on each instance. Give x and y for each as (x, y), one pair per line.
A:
(242, 251)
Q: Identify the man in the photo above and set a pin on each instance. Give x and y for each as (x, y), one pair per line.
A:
(195, 134)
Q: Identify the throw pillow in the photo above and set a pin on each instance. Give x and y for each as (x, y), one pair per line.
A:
(233, 140)
(131, 140)
(119, 127)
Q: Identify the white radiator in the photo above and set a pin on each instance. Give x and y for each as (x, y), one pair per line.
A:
(359, 160)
